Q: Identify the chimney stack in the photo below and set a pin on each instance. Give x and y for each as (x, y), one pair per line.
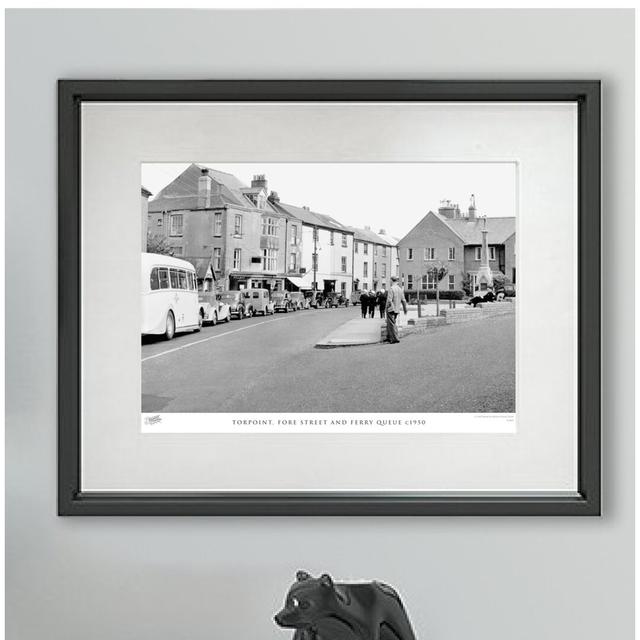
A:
(449, 209)
(204, 189)
(382, 232)
(259, 182)
(472, 208)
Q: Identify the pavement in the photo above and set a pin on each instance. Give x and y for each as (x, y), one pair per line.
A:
(352, 333)
(270, 365)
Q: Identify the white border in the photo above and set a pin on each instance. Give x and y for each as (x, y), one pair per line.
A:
(541, 456)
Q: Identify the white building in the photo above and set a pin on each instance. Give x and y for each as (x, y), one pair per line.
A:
(322, 257)
(375, 259)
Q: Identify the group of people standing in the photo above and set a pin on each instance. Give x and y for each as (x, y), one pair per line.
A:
(390, 305)
(370, 300)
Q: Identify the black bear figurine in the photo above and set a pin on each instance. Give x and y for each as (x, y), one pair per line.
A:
(319, 609)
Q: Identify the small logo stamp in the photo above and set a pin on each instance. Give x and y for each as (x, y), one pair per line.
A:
(153, 419)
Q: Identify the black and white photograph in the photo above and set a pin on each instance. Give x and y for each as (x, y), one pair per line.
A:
(382, 292)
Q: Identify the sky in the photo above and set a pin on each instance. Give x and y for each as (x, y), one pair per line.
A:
(389, 196)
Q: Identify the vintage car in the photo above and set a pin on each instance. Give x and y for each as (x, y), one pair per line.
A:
(239, 305)
(260, 301)
(313, 299)
(299, 299)
(212, 309)
(282, 301)
(508, 289)
(333, 299)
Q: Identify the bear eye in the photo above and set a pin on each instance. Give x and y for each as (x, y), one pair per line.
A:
(304, 604)
(295, 602)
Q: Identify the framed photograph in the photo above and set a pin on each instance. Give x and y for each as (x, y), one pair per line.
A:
(329, 298)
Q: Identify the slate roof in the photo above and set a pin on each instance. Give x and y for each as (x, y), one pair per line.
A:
(471, 230)
(311, 217)
(370, 236)
(182, 193)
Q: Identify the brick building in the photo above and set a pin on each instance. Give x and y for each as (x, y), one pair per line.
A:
(453, 240)
(145, 194)
(208, 216)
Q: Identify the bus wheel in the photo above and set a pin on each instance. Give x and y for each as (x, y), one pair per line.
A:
(170, 326)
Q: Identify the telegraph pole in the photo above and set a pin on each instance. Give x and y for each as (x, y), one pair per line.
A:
(315, 258)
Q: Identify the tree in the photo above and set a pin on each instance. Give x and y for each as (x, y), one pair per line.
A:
(158, 244)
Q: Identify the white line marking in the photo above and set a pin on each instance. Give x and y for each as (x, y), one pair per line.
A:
(218, 335)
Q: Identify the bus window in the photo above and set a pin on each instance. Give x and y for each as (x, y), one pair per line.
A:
(163, 275)
(192, 281)
(154, 283)
(182, 277)
(174, 278)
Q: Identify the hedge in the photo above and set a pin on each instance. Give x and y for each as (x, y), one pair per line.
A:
(430, 294)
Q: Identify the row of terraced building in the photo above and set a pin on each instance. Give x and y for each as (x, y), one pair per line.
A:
(241, 236)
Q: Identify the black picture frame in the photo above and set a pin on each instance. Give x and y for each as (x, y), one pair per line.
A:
(72, 500)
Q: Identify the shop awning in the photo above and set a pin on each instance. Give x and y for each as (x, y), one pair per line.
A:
(299, 282)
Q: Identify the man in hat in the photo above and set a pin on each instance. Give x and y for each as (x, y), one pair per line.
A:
(395, 302)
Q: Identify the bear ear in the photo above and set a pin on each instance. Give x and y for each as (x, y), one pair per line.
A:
(326, 581)
(301, 576)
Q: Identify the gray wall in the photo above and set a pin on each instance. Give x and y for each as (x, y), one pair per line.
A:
(480, 578)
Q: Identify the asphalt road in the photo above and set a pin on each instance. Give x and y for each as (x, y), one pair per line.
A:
(270, 365)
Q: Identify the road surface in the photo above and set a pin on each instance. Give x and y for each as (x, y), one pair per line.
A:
(270, 365)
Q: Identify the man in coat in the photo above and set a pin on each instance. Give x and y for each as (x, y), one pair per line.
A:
(395, 302)
(372, 303)
(364, 303)
(382, 301)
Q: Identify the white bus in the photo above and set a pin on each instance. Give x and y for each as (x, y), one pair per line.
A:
(169, 296)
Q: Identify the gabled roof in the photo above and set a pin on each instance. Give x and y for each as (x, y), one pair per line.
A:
(311, 217)
(201, 266)
(182, 193)
(470, 231)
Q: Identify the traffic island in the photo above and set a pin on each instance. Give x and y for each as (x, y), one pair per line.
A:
(354, 333)
(373, 331)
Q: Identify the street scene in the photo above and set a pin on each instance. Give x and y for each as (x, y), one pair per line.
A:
(251, 304)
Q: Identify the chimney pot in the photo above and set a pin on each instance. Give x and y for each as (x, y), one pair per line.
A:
(259, 181)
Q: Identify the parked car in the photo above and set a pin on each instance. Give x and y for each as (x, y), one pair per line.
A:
(260, 301)
(239, 305)
(316, 299)
(333, 299)
(299, 299)
(212, 309)
(282, 301)
(354, 298)
(508, 289)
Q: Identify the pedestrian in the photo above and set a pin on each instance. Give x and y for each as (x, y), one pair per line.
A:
(395, 301)
(364, 303)
(372, 303)
(382, 301)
